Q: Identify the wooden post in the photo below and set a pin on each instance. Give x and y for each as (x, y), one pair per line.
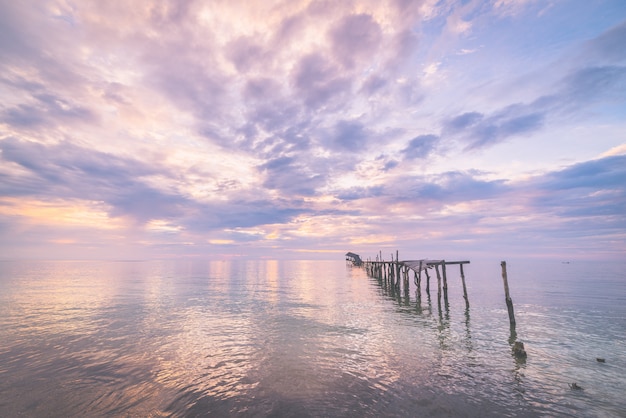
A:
(464, 288)
(397, 267)
(445, 280)
(404, 277)
(438, 282)
(405, 274)
(427, 280)
(419, 275)
(509, 302)
(438, 289)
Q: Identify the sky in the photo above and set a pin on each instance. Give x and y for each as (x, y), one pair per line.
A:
(304, 129)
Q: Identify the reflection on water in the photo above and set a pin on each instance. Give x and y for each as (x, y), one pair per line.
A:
(271, 338)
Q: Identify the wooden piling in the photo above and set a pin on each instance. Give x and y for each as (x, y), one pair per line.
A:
(394, 275)
(464, 288)
(438, 282)
(509, 302)
(419, 275)
(445, 280)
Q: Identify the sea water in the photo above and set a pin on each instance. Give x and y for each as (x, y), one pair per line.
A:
(308, 338)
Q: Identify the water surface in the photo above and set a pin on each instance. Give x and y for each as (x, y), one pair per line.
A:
(307, 338)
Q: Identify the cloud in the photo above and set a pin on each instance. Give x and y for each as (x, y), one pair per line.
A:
(482, 131)
(422, 195)
(513, 7)
(48, 110)
(587, 198)
(349, 135)
(582, 86)
(294, 119)
(67, 171)
(463, 121)
(355, 37)
(454, 186)
(246, 54)
(591, 84)
(420, 147)
(240, 214)
(579, 89)
(291, 177)
(605, 173)
(318, 80)
(357, 193)
(607, 47)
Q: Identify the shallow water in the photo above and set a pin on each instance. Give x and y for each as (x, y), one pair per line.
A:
(307, 338)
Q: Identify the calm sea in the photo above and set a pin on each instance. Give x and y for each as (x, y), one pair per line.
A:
(307, 338)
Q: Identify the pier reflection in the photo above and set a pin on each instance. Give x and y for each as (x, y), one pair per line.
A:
(410, 300)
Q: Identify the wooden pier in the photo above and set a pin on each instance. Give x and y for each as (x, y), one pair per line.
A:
(396, 273)
(394, 276)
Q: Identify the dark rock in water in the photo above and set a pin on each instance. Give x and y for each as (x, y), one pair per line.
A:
(600, 360)
(575, 386)
(518, 349)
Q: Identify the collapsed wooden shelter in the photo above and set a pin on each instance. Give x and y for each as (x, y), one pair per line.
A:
(355, 259)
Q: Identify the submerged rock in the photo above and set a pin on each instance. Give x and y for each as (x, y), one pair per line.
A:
(575, 386)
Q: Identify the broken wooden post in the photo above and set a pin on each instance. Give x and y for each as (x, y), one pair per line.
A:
(427, 280)
(464, 288)
(509, 302)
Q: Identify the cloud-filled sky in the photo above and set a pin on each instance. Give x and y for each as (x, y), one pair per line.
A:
(305, 129)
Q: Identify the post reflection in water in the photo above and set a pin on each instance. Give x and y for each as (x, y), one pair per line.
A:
(275, 338)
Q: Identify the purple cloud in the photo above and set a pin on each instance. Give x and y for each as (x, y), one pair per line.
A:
(355, 37)
(319, 81)
(420, 147)
(349, 135)
(49, 111)
(482, 131)
(291, 177)
(68, 171)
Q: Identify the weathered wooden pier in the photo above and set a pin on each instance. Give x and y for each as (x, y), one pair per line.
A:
(396, 273)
